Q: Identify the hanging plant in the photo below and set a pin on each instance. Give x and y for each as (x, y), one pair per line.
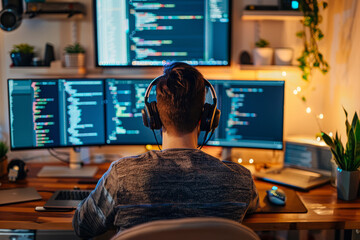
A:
(311, 57)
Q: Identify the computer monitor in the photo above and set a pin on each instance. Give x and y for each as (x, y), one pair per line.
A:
(52, 113)
(152, 33)
(252, 114)
(124, 124)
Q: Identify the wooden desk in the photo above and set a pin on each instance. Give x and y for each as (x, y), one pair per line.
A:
(325, 211)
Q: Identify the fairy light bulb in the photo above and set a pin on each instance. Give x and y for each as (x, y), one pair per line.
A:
(321, 116)
(295, 92)
(318, 139)
(308, 110)
(330, 134)
(298, 89)
(251, 161)
(239, 160)
(283, 74)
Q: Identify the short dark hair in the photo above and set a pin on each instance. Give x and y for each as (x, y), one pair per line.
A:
(180, 95)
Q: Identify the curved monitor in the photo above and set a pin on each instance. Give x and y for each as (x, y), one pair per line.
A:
(153, 33)
(50, 113)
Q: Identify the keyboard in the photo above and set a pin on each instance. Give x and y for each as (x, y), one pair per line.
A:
(67, 199)
(72, 195)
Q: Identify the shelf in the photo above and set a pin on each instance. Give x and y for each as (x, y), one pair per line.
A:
(55, 10)
(270, 67)
(48, 71)
(271, 15)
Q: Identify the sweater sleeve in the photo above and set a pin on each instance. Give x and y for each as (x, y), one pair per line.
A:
(96, 214)
(254, 196)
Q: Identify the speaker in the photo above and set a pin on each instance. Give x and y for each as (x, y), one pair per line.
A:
(11, 14)
(49, 54)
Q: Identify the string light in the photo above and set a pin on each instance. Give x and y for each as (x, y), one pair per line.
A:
(283, 74)
(330, 134)
(318, 139)
(308, 110)
(321, 116)
(298, 89)
(295, 92)
(239, 160)
(251, 161)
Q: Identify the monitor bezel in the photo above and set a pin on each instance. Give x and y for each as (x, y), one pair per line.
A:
(156, 66)
(52, 147)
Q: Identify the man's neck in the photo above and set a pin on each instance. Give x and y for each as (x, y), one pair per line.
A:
(188, 140)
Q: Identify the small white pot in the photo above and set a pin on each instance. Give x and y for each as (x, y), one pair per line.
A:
(74, 60)
(283, 56)
(262, 56)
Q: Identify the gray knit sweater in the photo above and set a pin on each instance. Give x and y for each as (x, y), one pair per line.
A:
(168, 184)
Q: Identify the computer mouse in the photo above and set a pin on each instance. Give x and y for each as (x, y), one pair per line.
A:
(276, 196)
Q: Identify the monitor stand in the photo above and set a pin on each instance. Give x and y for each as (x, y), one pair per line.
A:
(75, 168)
(226, 154)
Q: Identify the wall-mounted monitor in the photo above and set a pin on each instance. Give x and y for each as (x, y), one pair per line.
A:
(154, 32)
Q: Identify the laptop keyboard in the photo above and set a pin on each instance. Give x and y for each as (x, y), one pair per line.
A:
(73, 195)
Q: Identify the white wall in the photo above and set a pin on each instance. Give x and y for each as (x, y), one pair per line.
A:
(38, 32)
(342, 82)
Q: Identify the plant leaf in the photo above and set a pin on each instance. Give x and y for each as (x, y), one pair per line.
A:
(350, 151)
(328, 140)
(347, 124)
(336, 158)
(355, 120)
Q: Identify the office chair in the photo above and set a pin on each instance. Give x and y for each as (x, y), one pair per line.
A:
(209, 228)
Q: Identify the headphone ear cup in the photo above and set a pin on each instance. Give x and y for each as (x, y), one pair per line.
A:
(216, 120)
(205, 120)
(145, 115)
(155, 121)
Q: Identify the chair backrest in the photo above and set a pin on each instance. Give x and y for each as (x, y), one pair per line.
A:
(209, 228)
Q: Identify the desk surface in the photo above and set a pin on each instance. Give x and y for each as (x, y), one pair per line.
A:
(325, 211)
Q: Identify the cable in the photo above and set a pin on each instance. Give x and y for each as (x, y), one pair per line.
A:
(206, 140)
(60, 153)
(59, 158)
(156, 140)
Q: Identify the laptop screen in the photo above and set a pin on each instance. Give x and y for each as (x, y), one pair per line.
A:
(308, 156)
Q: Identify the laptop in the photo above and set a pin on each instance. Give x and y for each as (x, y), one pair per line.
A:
(306, 165)
(66, 199)
(16, 195)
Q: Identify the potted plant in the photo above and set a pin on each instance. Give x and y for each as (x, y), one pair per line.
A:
(22, 54)
(347, 159)
(74, 55)
(283, 56)
(262, 53)
(3, 158)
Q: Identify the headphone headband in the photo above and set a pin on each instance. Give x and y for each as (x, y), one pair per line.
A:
(207, 84)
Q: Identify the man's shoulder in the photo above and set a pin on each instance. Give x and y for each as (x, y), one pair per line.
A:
(129, 160)
(237, 167)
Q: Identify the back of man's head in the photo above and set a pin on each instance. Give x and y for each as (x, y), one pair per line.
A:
(180, 95)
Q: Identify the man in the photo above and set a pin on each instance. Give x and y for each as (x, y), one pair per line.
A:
(179, 181)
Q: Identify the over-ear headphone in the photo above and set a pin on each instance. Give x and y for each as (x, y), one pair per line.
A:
(209, 118)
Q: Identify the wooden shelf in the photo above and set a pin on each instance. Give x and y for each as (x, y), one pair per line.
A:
(269, 67)
(271, 15)
(57, 17)
(48, 71)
